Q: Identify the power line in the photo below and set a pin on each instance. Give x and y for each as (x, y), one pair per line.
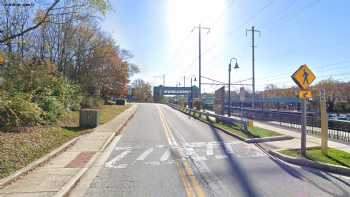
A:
(287, 17)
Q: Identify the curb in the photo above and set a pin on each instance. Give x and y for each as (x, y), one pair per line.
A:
(250, 140)
(65, 190)
(270, 139)
(25, 170)
(312, 164)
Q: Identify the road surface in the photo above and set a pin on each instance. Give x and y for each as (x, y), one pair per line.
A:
(163, 152)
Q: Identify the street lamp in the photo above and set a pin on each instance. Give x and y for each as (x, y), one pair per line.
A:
(191, 98)
(229, 84)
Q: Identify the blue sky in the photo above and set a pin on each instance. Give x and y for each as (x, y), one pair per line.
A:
(293, 32)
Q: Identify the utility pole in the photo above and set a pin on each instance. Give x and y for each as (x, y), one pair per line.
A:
(184, 81)
(199, 27)
(253, 30)
(163, 79)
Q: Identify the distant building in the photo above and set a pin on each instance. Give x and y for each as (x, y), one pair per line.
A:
(160, 91)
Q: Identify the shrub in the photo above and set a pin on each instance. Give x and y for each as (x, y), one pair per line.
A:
(53, 109)
(91, 102)
(69, 94)
(19, 111)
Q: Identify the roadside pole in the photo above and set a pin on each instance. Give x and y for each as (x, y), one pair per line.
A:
(303, 77)
(303, 128)
(324, 122)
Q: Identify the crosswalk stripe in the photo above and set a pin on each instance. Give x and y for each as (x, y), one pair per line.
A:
(145, 154)
(117, 158)
(165, 156)
(210, 150)
(228, 148)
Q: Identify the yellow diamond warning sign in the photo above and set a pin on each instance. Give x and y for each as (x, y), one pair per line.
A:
(303, 77)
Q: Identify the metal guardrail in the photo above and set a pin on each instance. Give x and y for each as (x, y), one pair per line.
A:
(337, 130)
(208, 116)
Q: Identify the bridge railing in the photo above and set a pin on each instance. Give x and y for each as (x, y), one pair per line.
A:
(211, 117)
(337, 130)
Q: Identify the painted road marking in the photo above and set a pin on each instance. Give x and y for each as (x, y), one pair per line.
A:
(210, 149)
(197, 151)
(191, 184)
(165, 156)
(111, 163)
(145, 154)
(221, 156)
(228, 148)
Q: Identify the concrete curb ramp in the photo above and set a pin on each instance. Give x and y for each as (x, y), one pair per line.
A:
(312, 164)
(250, 140)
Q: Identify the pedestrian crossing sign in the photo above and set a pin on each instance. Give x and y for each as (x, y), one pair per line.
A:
(303, 77)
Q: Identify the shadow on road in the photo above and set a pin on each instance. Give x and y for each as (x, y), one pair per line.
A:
(331, 180)
(236, 169)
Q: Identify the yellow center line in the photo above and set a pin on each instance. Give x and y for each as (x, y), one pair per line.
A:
(189, 180)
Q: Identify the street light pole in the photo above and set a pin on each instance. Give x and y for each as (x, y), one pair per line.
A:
(229, 84)
(191, 98)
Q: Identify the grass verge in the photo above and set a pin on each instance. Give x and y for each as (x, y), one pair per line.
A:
(108, 112)
(18, 149)
(334, 156)
(254, 132)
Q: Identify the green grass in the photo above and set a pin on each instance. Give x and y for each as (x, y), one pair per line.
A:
(18, 149)
(260, 132)
(334, 156)
(254, 132)
(108, 112)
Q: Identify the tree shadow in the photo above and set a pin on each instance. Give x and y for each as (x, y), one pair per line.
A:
(78, 129)
(235, 167)
(338, 161)
(287, 168)
(323, 176)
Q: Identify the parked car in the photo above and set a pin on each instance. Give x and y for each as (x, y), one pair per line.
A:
(120, 101)
(342, 117)
(332, 117)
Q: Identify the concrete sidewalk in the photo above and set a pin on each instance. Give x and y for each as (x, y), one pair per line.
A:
(60, 173)
(311, 141)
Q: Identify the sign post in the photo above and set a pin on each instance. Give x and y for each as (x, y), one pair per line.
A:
(324, 123)
(303, 77)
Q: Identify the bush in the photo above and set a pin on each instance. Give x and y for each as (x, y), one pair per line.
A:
(34, 92)
(69, 94)
(53, 109)
(19, 111)
(91, 102)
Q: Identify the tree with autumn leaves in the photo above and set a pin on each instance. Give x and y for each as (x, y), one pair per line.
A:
(337, 94)
(56, 59)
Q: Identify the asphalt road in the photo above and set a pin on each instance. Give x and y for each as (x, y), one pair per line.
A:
(163, 152)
